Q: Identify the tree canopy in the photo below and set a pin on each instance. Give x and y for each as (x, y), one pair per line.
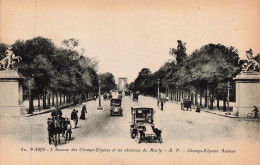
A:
(209, 67)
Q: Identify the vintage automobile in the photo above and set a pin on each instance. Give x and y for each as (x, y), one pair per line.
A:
(135, 97)
(186, 103)
(127, 93)
(116, 108)
(142, 127)
(120, 95)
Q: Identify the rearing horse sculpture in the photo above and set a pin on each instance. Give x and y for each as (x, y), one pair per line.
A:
(251, 62)
(10, 59)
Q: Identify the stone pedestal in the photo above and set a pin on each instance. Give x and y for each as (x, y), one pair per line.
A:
(11, 94)
(247, 93)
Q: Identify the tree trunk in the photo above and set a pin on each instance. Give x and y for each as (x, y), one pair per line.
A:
(189, 95)
(39, 102)
(176, 96)
(60, 98)
(178, 92)
(69, 98)
(64, 98)
(206, 98)
(196, 98)
(192, 98)
(211, 100)
(52, 95)
(218, 103)
(49, 100)
(57, 100)
(44, 105)
(178, 99)
(201, 92)
(31, 106)
(224, 104)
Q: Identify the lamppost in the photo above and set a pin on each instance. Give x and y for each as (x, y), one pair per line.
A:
(228, 93)
(31, 108)
(99, 91)
(158, 94)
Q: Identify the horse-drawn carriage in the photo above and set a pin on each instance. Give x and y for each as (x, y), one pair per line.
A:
(135, 97)
(186, 103)
(56, 127)
(142, 127)
(116, 108)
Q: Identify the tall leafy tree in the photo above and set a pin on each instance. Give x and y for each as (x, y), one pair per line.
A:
(179, 53)
(107, 81)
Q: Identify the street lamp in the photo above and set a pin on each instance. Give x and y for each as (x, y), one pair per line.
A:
(99, 91)
(158, 94)
(31, 108)
(228, 93)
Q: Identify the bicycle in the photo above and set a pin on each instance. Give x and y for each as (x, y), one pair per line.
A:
(252, 115)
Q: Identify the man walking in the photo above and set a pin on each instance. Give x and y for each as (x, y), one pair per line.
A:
(74, 117)
(162, 105)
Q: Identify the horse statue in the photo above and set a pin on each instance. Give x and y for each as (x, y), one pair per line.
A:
(10, 59)
(250, 64)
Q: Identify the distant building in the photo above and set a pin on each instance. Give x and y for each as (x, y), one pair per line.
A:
(122, 81)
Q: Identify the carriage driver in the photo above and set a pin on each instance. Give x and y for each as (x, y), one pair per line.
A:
(57, 114)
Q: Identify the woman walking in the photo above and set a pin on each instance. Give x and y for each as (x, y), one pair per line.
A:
(83, 111)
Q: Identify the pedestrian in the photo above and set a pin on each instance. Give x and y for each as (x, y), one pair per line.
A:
(162, 105)
(255, 111)
(74, 117)
(83, 111)
(198, 108)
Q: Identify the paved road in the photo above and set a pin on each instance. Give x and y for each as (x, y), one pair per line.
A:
(181, 129)
(177, 125)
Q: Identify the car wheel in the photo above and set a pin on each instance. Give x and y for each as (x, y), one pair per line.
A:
(137, 138)
(160, 140)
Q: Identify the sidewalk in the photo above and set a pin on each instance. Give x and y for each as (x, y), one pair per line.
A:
(38, 112)
(221, 113)
(214, 111)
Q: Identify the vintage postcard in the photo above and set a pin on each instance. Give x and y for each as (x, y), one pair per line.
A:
(122, 82)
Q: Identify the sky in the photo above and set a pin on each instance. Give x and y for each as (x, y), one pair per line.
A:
(126, 36)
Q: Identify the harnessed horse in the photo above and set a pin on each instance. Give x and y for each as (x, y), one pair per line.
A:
(57, 126)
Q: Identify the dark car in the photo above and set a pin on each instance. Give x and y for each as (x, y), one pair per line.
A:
(116, 108)
(127, 93)
(186, 103)
(135, 97)
(142, 127)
